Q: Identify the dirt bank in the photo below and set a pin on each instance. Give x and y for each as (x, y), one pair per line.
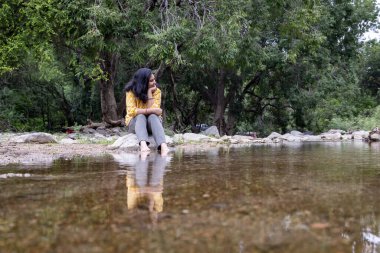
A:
(46, 153)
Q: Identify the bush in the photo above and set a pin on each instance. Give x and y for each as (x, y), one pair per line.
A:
(355, 123)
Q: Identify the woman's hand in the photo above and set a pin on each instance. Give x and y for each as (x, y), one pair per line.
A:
(152, 89)
(157, 111)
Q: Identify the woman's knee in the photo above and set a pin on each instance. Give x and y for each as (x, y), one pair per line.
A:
(140, 117)
(154, 117)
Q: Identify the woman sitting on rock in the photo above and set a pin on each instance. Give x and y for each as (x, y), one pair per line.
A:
(143, 116)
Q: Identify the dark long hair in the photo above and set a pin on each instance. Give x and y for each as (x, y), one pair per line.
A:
(139, 84)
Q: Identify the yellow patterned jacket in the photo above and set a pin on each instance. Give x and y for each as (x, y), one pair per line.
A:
(133, 103)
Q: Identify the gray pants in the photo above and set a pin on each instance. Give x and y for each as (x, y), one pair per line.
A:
(141, 125)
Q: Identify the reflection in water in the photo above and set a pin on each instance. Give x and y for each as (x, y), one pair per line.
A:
(145, 183)
(321, 197)
(371, 242)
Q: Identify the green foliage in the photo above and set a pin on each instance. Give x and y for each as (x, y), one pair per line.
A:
(250, 65)
(370, 72)
(359, 122)
(15, 113)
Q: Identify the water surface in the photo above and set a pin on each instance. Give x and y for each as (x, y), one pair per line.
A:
(300, 198)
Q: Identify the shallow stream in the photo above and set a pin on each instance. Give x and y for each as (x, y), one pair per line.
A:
(321, 197)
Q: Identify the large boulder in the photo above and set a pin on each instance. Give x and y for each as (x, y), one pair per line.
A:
(296, 133)
(290, 137)
(211, 131)
(374, 135)
(360, 135)
(274, 135)
(130, 141)
(34, 138)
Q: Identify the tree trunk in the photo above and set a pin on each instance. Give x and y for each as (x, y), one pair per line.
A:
(220, 105)
(108, 102)
(230, 127)
(107, 95)
(122, 107)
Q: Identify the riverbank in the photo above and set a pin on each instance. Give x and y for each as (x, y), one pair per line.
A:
(43, 148)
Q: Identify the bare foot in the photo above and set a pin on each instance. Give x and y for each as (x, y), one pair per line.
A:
(144, 155)
(143, 147)
(164, 149)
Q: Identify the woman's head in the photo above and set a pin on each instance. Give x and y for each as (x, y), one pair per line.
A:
(140, 83)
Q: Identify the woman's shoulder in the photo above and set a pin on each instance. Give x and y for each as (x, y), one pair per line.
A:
(157, 92)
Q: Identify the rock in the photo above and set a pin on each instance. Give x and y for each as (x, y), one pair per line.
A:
(191, 137)
(234, 141)
(178, 139)
(290, 137)
(211, 131)
(360, 135)
(276, 140)
(169, 140)
(68, 141)
(296, 133)
(88, 130)
(130, 141)
(274, 135)
(34, 138)
(242, 138)
(99, 136)
(347, 137)
(311, 138)
(116, 130)
(225, 138)
(215, 140)
(228, 139)
(101, 131)
(374, 137)
(72, 136)
(334, 131)
(265, 140)
(331, 136)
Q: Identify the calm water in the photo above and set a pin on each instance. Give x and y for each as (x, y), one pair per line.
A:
(301, 198)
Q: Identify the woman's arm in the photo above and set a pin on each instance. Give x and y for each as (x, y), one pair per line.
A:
(154, 102)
